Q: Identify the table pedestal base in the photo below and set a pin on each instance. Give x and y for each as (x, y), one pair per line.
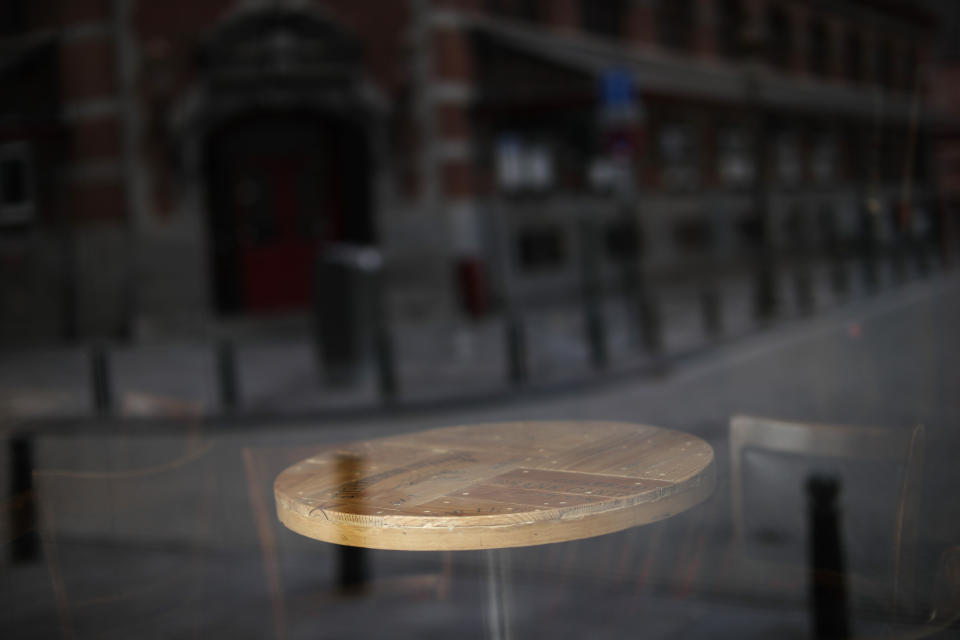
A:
(499, 595)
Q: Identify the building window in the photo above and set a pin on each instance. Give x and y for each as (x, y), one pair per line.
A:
(736, 159)
(693, 236)
(729, 21)
(823, 159)
(623, 240)
(524, 164)
(751, 231)
(787, 156)
(853, 58)
(12, 17)
(910, 70)
(16, 185)
(818, 48)
(675, 21)
(677, 145)
(884, 65)
(603, 17)
(519, 9)
(779, 38)
(541, 248)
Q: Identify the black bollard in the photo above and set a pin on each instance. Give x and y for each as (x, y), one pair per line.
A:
(386, 367)
(651, 327)
(898, 261)
(803, 289)
(710, 308)
(516, 343)
(596, 333)
(839, 281)
(869, 267)
(921, 258)
(352, 561)
(592, 297)
(24, 545)
(227, 375)
(764, 292)
(828, 587)
(100, 379)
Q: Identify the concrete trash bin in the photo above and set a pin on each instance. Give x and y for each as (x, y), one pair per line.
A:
(345, 306)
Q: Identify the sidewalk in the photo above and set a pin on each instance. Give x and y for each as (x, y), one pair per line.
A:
(432, 362)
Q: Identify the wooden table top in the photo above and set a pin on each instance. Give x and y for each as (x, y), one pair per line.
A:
(494, 485)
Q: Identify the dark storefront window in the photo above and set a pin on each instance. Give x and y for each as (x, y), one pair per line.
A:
(729, 23)
(603, 17)
(541, 248)
(519, 9)
(16, 197)
(908, 80)
(818, 48)
(675, 23)
(853, 58)
(736, 161)
(679, 153)
(12, 17)
(884, 65)
(779, 38)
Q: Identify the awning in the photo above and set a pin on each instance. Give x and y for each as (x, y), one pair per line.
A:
(663, 73)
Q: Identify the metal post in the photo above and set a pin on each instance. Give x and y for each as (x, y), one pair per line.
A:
(828, 587)
(765, 286)
(839, 280)
(24, 545)
(592, 314)
(651, 327)
(516, 343)
(868, 248)
(710, 307)
(765, 283)
(383, 351)
(352, 561)
(803, 288)
(386, 369)
(100, 379)
(227, 375)
(499, 597)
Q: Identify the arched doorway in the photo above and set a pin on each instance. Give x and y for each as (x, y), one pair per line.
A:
(281, 135)
(281, 186)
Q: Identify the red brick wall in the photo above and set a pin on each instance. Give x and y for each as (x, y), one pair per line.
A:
(96, 138)
(453, 56)
(78, 11)
(561, 14)
(453, 122)
(640, 27)
(180, 25)
(87, 69)
(96, 202)
(704, 37)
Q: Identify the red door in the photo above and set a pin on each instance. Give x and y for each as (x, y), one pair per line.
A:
(284, 211)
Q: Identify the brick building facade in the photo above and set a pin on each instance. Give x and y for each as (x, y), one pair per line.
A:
(169, 164)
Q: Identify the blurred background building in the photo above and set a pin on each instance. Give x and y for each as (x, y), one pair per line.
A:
(167, 166)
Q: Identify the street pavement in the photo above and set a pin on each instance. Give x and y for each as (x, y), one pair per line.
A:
(888, 361)
(278, 372)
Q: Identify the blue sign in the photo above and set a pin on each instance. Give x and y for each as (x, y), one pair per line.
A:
(618, 88)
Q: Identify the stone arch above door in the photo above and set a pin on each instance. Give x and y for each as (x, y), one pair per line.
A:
(270, 64)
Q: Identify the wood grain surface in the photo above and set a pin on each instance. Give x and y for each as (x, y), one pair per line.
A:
(494, 485)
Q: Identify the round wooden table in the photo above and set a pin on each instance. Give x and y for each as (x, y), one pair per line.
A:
(493, 486)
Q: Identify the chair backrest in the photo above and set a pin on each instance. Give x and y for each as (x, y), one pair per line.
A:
(125, 549)
(880, 472)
